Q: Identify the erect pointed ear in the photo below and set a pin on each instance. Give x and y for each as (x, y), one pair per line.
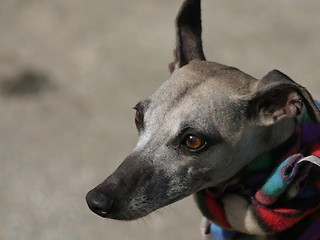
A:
(188, 35)
(276, 96)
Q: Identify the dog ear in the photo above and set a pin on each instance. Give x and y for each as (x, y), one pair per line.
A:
(188, 35)
(276, 96)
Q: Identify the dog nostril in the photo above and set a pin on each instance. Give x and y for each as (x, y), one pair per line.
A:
(99, 203)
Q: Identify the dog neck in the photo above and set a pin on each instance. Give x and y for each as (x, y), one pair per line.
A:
(280, 132)
(217, 203)
(260, 139)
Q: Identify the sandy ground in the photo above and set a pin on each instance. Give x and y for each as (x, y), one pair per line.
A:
(70, 73)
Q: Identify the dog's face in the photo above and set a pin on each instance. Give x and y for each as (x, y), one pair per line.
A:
(189, 136)
(184, 143)
(194, 132)
(192, 126)
(199, 129)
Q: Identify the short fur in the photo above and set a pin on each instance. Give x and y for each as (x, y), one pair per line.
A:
(237, 116)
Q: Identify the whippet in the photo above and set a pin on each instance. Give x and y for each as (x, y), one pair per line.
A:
(199, 131)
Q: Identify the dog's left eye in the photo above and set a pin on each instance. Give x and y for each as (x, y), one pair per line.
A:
(193, 142)
(139, 117)
(139, 120)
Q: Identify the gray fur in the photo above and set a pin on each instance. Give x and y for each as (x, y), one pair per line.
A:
(239, 117)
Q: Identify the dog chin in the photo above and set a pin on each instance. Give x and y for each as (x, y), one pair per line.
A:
(127, 215)
(135, 211)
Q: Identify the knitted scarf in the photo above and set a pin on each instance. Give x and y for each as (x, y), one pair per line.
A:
(277, 196)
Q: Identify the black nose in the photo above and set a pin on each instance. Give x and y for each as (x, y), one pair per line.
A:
(99, 203)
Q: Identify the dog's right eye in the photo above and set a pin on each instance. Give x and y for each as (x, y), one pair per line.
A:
(194, 143)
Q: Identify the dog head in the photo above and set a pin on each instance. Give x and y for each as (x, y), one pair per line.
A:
(199, 129)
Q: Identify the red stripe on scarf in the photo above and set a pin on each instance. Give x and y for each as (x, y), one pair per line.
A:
(216, 210)
(315, 150)
(281, 219)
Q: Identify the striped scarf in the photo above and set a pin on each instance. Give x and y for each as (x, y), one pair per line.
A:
(277, 196)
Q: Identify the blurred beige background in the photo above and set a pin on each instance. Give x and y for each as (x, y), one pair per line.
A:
(70, 73)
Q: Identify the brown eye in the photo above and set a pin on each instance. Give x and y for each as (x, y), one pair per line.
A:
(138, 117)
(193, 142)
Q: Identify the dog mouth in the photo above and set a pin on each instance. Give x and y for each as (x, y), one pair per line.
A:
(128, 209)
(129, 194)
